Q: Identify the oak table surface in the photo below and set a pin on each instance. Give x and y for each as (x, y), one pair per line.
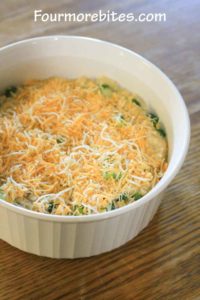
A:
(163, 262)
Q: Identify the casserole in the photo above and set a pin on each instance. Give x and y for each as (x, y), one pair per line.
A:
(70, 56)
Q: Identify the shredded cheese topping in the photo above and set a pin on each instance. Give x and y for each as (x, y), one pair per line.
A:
(77, 146)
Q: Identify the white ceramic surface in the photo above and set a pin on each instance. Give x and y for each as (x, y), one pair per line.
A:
(71, 56)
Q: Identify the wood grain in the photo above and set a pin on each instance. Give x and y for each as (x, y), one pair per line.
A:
(163, 262)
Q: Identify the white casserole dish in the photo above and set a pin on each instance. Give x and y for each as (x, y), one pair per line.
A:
(71, 56)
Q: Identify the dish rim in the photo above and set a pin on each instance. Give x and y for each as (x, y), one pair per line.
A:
(157, 189)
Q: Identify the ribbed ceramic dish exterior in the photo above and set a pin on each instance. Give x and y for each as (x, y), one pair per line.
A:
(73, 239)
(83, 236)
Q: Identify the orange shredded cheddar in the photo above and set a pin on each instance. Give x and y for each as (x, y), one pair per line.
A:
(77, 146)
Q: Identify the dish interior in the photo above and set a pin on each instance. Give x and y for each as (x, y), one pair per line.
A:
(79, 146)
(75, 57)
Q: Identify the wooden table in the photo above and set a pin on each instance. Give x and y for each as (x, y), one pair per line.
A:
(163, 262)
